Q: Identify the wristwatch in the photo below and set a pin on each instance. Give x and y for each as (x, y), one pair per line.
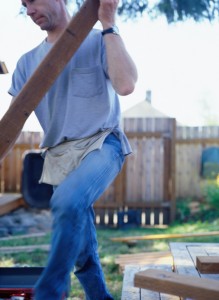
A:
(114, 30)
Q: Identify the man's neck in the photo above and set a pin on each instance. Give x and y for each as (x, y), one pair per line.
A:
(52, 36)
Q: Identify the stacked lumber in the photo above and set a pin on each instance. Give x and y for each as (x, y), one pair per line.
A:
(10, 202)
(145, 258)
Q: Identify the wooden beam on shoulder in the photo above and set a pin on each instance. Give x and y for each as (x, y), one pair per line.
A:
(39, 83)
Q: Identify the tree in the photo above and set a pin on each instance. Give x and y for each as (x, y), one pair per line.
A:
(174, 10)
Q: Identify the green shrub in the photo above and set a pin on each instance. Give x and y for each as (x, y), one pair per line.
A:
(211, 193)
(183, 211)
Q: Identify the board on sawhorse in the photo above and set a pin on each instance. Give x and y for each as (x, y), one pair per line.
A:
(131, 292)
(39, 83)
(207, 264)
(185, 286)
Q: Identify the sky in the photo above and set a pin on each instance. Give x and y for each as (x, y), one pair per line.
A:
(179, 63)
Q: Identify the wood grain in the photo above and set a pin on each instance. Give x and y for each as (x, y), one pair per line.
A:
(207, 264)
(179, 285)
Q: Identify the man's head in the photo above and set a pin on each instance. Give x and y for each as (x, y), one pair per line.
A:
(49, 15)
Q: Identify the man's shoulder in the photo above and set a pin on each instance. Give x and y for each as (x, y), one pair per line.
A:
(39, 49)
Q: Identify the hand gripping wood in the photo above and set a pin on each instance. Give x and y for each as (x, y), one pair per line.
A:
(39, 83)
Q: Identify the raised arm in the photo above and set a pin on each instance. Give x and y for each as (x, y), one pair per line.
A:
(121, 68)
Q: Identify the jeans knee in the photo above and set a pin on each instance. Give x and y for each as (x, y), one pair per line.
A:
(66, 207)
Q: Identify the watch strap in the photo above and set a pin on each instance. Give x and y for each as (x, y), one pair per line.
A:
(110, 30)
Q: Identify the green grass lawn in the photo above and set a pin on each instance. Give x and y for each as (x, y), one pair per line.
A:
(109, 250)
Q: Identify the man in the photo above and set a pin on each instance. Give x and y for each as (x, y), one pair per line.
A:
(85, 146)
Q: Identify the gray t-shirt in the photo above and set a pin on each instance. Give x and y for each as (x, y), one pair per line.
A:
(82, 101)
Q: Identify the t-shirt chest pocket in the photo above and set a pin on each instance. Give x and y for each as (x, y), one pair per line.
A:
(87, 82)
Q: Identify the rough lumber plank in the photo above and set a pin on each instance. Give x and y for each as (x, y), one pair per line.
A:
(207, 264)
(46, 73)
(29, 248)
(202, 249)
(7, 197)
(179, 285)
(23, 236)
(184, 257)
(9, 202)
(159, 257)
(130, 292)
(3, 68)
(163, 236)
(183, 264)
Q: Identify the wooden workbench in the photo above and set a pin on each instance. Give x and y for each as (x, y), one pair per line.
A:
(184, 257)
(184, 263)
(129, 292)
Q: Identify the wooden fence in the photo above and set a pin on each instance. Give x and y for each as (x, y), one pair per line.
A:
(190, 143)
(164, 166)
(149, 172)
(11, 167)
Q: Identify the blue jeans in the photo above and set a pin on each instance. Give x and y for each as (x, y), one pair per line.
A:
(74, 241)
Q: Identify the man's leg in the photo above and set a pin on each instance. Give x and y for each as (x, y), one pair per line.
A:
(88, 268)
(70, 204)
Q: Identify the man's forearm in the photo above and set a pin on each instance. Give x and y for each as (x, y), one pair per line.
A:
(121, 68)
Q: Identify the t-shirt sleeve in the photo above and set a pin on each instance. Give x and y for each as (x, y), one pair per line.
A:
(18, 78)
(104, 58)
